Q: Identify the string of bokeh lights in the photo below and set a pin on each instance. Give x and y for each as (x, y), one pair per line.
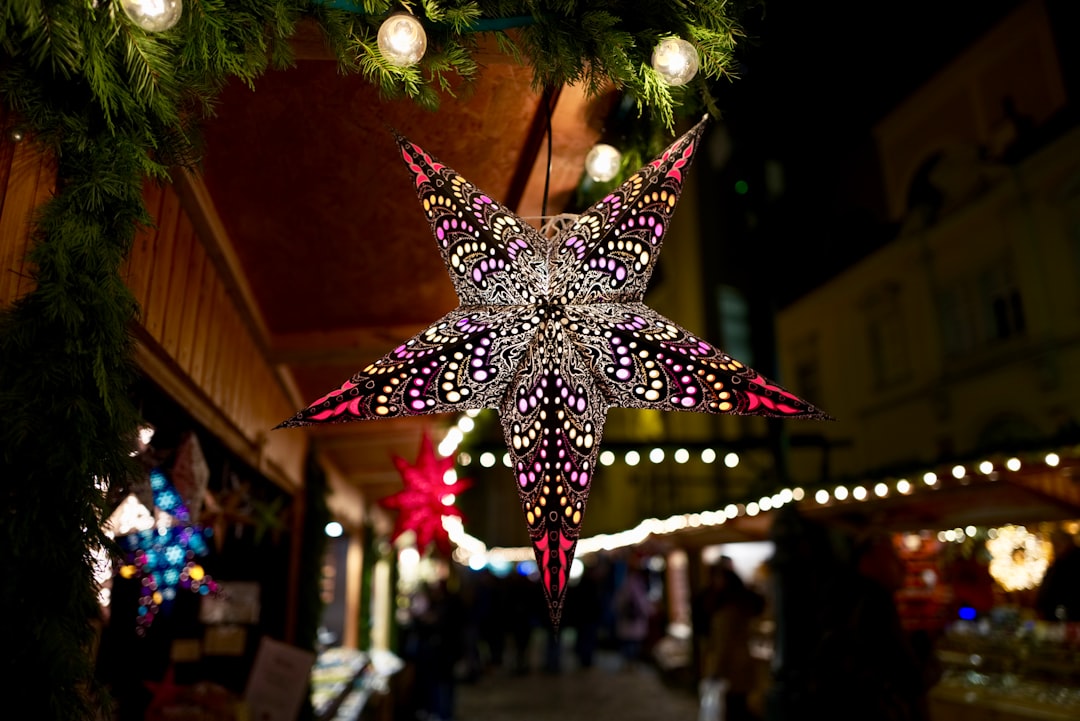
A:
(473, 552)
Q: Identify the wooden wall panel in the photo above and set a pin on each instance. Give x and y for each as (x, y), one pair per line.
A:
(29, 178)
(191, 317)
(160, 270)
(190, 321)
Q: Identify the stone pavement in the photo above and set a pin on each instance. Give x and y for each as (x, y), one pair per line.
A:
(607, 691)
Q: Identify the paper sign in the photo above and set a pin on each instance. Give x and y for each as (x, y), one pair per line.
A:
(278, 681)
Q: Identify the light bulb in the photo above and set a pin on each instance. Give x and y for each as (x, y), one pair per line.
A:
(602, 163)
(675, 60)
(153, 15)
(402, 40)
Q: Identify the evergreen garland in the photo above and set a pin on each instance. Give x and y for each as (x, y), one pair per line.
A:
(115, 105)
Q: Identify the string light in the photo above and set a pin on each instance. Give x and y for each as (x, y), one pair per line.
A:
(402, 40)
(675, 61)
(153, 15)
(603, 161)
(473, 552)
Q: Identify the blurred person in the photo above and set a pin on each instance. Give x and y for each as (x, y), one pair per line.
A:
(585, 612)
(867, 666)
(722, 617)
(440, 643)
(632, 611)
(1058, 597)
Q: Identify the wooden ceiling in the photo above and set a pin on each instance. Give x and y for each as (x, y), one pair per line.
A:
(331, 246)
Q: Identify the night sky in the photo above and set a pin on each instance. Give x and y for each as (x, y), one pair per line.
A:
(814, 79)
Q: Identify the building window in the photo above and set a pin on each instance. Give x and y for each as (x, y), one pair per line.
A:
(886, 336)
(981, 310)
(807, 368)
(734, 323)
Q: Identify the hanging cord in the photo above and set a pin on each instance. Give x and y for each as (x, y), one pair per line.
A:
(547, 98)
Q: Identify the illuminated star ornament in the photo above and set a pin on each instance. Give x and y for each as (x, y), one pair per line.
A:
(163, 557)
(552, 332)
(426, 498)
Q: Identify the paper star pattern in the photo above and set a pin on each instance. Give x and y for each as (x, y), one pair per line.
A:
(163, 557)
(552, 332)
(421, 504)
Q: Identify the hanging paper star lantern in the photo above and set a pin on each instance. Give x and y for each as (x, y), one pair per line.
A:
(422, 503)
(552, 332)
(162, 558)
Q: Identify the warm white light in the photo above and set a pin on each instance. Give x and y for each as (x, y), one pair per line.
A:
(765, 503)
(607, 458)
(903, 486)
(752, 509)
(675, 60)
(840, 493)
(958, 472)
(334, 529)
(1052, 459)
(822, 496)
(970, 531)
(466, 424)
(731, 460)
(1013, 464)
(402, 40)
(487, 459)
(409, 557)
(798, 494)
(786, 496)
(464, 459)
(859, 493)
(929, 478)
(506, 460)
(603, 162)
(450, 477)
(448, 499)
(153, 15)
(986, 468)
(1018, 558)
(656, 455)
(682, 455)
(881, 490)
(632, 458)
(708, 455)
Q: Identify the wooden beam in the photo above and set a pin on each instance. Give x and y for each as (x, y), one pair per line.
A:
(156, 364)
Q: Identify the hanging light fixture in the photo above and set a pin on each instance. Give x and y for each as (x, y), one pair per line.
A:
(402, 39)
(675, 60)
(153, 15)
(603, 161)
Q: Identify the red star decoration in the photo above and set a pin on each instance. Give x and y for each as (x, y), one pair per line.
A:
(420, 502)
